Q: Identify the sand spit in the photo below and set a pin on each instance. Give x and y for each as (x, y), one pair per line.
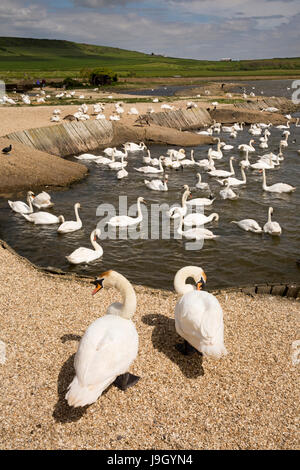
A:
(248, 400)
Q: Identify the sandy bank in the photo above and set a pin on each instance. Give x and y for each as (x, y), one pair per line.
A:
(248, 400)
(27, 168)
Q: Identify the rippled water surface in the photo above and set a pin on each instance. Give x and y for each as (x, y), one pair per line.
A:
(236, 258)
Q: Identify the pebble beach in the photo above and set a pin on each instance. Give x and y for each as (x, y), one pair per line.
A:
(247, 400)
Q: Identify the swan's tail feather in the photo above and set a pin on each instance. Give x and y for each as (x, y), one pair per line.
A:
(79, 395)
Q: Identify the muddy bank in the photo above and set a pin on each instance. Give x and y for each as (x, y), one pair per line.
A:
(232, 114)
(27, 168)
(158, 135)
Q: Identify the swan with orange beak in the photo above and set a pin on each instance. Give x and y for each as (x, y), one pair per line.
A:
(198, 315)
(108, 347)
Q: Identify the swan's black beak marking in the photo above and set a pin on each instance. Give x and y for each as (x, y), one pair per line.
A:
(99, 285)
(201, 284)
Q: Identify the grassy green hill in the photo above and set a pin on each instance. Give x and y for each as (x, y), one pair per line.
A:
(20, 57)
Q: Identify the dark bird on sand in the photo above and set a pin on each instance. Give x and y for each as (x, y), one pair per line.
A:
(70, 117)
(7, 149)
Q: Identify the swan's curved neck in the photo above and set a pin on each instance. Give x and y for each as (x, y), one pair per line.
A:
(181, 276)
(199, 178)
(128, 296)
(264, 179)
(160, 164)
(140, 215)
(184, 197)
(29, 200)
(96, 246)
(231, 166)
(76, 213)
(243, 174)
(269, 215)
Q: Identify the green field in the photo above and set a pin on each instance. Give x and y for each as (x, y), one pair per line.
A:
(43, 58)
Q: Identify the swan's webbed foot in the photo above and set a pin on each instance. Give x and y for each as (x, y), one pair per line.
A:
(185, 348)
(126, 380)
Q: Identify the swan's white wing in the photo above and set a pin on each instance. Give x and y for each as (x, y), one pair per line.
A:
(106, 350)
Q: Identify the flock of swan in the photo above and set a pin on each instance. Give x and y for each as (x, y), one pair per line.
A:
(110, 344)
(116, 160)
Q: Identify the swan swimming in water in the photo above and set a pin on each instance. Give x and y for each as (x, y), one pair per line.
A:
(43, 218)
(125, 220)
(198, 315)
(21, 207)
(86, 255)
(42, 200)
(276, 188)
(71, 225)
(108, 347)
(157, 185)
(272, 228)
(250, 225)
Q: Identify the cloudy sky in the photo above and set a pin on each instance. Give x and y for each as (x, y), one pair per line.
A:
(198, 29)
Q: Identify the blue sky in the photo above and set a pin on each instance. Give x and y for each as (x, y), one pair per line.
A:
(198, 29)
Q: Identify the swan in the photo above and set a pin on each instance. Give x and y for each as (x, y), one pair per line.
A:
(264, 144)
(227, 192)
(104, 160)
(124, 220)
(223, 173)
(200, 185)
(227, 147)
(199, 219)
(157, 185)
(86, 255)
(43, 218)
(187, 162)
(108, 347)
(151, 161)
(195, 233)
(273, 228)
(234, 181)
(216, 154)
(276, 188)
(122, 174)
(266, 163)
(227, 129)
(42, 200)
(132, 147)
(200, 201)
(245, 163)
(284, 142)
(118, 165)
(206, 164)
(284, 127)
(22, 207)
(177, 153)
(109, 151)
(250, 225)
(87, 156)
(71, 225)
(119, 153)
(151, 169)
(175, 164)
(175, 211)
(249, 147)
(198, 315)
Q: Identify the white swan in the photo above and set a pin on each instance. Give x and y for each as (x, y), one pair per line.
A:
(284, 142)
(71, 225)
(227, 192)
(276, 188)
(43, 218)
(175, 211)
(42, 200)
(245, 147)
(266, 163)
(122, 174)
(86, 255)
(132, 147)
(151, 169)
(199, 184)
(187, 162)
(234, 181)
(199, 219)
(206, 164)
(108, 347)
(245, 163)
(198, 315)
(273, 228)
(157, 185)
(227, 147)
(118, 165)
(104, 160)
(284, 127)
(87, 156)
(223, 173)
(200, 201)
(197, 233)
(216, 154)
(22, 207)
(124, 220)
(250, 225)
(177, 153)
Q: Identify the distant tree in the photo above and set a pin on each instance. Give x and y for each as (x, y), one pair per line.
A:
(99, 76)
